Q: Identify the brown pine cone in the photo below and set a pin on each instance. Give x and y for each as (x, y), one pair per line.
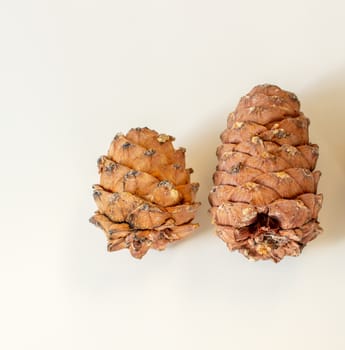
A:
(145, 198)
(265, 202)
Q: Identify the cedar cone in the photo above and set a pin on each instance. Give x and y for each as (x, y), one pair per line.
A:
(265, 202)
(145, 198)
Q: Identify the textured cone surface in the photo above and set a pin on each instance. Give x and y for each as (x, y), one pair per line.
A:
(265, 202)
(145, 198)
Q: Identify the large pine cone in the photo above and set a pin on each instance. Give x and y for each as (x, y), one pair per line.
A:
(145, 198)
(264, 201)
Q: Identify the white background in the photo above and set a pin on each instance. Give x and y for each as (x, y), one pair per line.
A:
(72, 75)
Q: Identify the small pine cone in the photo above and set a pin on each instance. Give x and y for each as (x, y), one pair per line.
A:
(265, 202)
(145, 198)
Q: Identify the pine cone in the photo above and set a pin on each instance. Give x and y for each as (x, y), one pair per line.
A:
(145, 198)
(264, 202)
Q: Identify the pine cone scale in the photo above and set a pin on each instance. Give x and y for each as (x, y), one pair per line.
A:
(116, 177)
(149, 160)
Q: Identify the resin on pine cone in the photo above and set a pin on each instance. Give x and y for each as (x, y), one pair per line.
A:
(145, 198)
(265, 202)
